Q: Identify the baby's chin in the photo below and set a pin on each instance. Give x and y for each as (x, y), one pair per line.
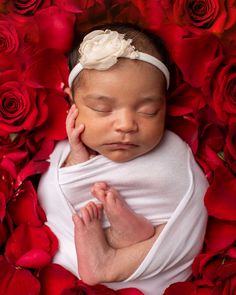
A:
(120, 156)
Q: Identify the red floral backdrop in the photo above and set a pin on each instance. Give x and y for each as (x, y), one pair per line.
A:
(35, 38)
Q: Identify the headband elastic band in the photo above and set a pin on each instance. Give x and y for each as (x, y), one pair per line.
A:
(101, 49)
(141, 56)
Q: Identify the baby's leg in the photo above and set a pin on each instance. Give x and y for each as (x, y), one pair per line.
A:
(127, 227)
(97, 261)
(93, 252)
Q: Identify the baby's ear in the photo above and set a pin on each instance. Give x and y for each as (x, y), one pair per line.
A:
(67, 91)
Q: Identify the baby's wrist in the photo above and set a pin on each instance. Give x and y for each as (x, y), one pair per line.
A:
(72, 160)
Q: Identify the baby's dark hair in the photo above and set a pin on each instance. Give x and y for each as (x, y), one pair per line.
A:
(143, 40)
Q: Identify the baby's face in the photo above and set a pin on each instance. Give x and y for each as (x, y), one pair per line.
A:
(123, 109)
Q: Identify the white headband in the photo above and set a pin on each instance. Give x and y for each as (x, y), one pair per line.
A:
(101, 49)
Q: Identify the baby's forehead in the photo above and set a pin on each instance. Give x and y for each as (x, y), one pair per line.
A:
(119, 82)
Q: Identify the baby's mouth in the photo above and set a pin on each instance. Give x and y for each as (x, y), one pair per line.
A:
(121, 145)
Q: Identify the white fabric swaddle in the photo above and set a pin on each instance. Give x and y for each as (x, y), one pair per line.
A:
(165, 185)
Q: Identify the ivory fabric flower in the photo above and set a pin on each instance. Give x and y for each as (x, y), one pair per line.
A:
(101, 49)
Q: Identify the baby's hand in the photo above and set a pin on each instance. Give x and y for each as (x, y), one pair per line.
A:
(78, 152)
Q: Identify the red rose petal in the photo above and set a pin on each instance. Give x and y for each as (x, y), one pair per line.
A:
(27, 239)
(220, 198)
(54, 279)
(220, 234)
(15, 280)
(24, 208)
(35, 258)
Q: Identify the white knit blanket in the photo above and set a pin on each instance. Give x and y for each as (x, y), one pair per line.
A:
(165, 185)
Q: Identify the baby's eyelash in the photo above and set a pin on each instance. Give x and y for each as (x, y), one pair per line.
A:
(100, 111)
(149, 113)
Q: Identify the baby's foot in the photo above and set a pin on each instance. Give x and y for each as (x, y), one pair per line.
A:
(94, 255)
(127, 227)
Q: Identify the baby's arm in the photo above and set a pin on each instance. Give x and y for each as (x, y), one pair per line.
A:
(78, 152)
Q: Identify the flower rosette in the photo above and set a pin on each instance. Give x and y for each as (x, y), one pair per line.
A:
(220, 89)
(101, 49)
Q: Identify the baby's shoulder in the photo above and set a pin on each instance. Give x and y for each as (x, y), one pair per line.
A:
(170, 137)
(172, 145)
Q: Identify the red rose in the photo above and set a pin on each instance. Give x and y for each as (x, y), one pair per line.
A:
(26, 7)
(220, 198)
(31, 247)
(21, 107)
(15, 280)
(9, 39)
(24, 108)
(216, 272)
(191, 52)
(221, 88)
(211, 15)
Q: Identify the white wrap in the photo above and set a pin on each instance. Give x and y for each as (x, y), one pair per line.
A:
(165, 185)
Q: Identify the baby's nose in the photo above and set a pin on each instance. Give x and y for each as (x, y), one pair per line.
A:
(126, 122)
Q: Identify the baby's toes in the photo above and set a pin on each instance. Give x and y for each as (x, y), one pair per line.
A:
(98, 193)
(78, 221)
(86, 215)
(91, 207)
(99, 211)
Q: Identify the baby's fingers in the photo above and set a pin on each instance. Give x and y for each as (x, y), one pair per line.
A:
(71, 118)
(75, 135)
